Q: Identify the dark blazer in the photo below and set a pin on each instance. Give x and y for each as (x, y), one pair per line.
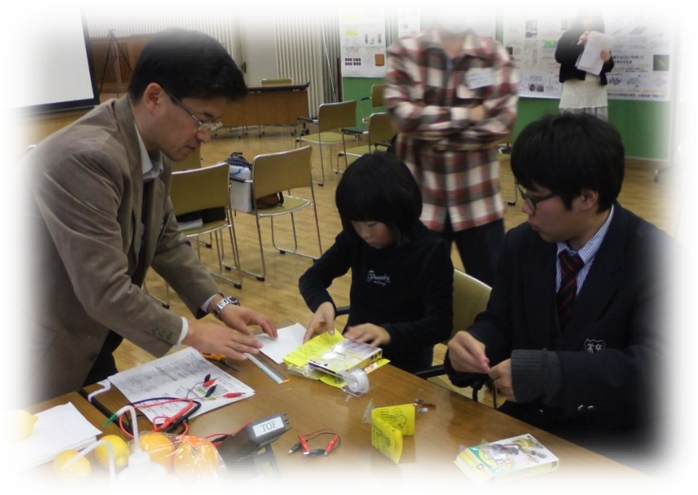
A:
(608, 355)
(94, 247)
(568, 51)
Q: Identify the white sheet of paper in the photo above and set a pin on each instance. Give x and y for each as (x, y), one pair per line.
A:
(178, 375)
(57, 429)
(290, 338)
(590, 61)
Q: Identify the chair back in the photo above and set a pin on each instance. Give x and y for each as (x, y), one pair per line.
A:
(191, 162)
(470, 298)
(377, 95)
(200, 189)
(686, 153)
(281, 171)
(380, 128)
(333, 116)
(285, 81)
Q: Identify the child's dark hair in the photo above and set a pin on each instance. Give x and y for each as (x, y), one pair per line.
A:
(379, 187)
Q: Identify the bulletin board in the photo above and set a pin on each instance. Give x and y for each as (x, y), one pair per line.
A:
(643, 53)
(362, 43)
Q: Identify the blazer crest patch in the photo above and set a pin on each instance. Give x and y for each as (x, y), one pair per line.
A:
(592, 345)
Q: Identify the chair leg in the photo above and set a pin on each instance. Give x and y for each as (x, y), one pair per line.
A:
(166, 303)
(516, 197)
(322, 166)
(219, 253)
(662, 170)
(295, 250)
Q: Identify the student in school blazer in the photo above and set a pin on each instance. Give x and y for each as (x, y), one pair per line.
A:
(596, 381)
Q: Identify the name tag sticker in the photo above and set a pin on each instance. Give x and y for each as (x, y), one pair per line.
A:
(479, 78)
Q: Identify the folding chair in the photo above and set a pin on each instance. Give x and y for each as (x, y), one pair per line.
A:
(277, 172)
(380, 132)
(332, 117)
(205, 189)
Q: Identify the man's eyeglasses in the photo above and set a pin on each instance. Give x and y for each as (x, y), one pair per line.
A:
(534, 200)
(203, 126)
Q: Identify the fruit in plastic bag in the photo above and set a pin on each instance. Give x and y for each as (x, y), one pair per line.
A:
(160, 448)
(196, 458)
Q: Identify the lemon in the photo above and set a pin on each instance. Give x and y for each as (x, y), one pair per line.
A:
(79, 470)
(20, 424)
(121, 452)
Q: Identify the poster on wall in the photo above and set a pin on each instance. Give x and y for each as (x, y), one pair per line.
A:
(531, 35)
(362, 43)
(408, 21)
(641, 50)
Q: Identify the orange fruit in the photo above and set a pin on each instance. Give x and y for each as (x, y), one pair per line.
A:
(159, 447)
(175, 484)
(207, 485)
(79, 470)
(196, 458)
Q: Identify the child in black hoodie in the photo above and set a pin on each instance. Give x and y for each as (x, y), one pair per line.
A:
(401, 295)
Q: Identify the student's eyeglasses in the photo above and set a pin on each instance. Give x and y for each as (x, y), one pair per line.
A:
(534, 200)
(203, 126)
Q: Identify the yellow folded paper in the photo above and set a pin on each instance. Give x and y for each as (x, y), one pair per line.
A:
(388, 426)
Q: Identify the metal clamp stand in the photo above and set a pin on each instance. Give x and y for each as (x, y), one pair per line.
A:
(114, 57)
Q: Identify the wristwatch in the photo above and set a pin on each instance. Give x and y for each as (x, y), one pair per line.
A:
(224, 302)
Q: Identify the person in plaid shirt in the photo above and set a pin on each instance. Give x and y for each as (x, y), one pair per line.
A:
(452, 95)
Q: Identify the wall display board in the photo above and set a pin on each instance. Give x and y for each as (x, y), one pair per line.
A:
(688, 66)
(642, 51)
(362, 43)
(531, 33)
(408, 21)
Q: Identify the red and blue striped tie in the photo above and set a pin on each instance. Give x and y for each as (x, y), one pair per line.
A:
(569, 268)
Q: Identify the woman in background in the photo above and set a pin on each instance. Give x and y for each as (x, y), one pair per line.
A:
(581, 91)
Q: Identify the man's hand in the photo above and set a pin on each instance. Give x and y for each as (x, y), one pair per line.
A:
(583, 38)
(467, 354)
(369, 333)
(215, 338)
(322, 321)
(606, 56)
(501, 374)
(240, 317)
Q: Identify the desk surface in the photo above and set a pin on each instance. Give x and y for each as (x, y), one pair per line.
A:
(455, 421)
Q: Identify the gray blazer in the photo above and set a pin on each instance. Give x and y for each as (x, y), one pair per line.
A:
(92, 249)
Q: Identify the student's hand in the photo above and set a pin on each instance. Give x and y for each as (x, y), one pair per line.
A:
(501, 374)
(239, 317)
(583, 38)
(322, 321)
(467, 354)
(369, 333)
(606, 56)
(215, 338)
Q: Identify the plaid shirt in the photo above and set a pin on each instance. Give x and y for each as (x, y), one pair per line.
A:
(453, 158)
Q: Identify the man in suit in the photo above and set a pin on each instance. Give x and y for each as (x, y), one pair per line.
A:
(571, 334)
(101, 216)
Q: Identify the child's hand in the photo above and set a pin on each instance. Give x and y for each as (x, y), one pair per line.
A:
(369, 333)
(322, 321)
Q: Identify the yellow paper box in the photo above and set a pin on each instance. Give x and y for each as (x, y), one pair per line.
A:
(388, 426)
